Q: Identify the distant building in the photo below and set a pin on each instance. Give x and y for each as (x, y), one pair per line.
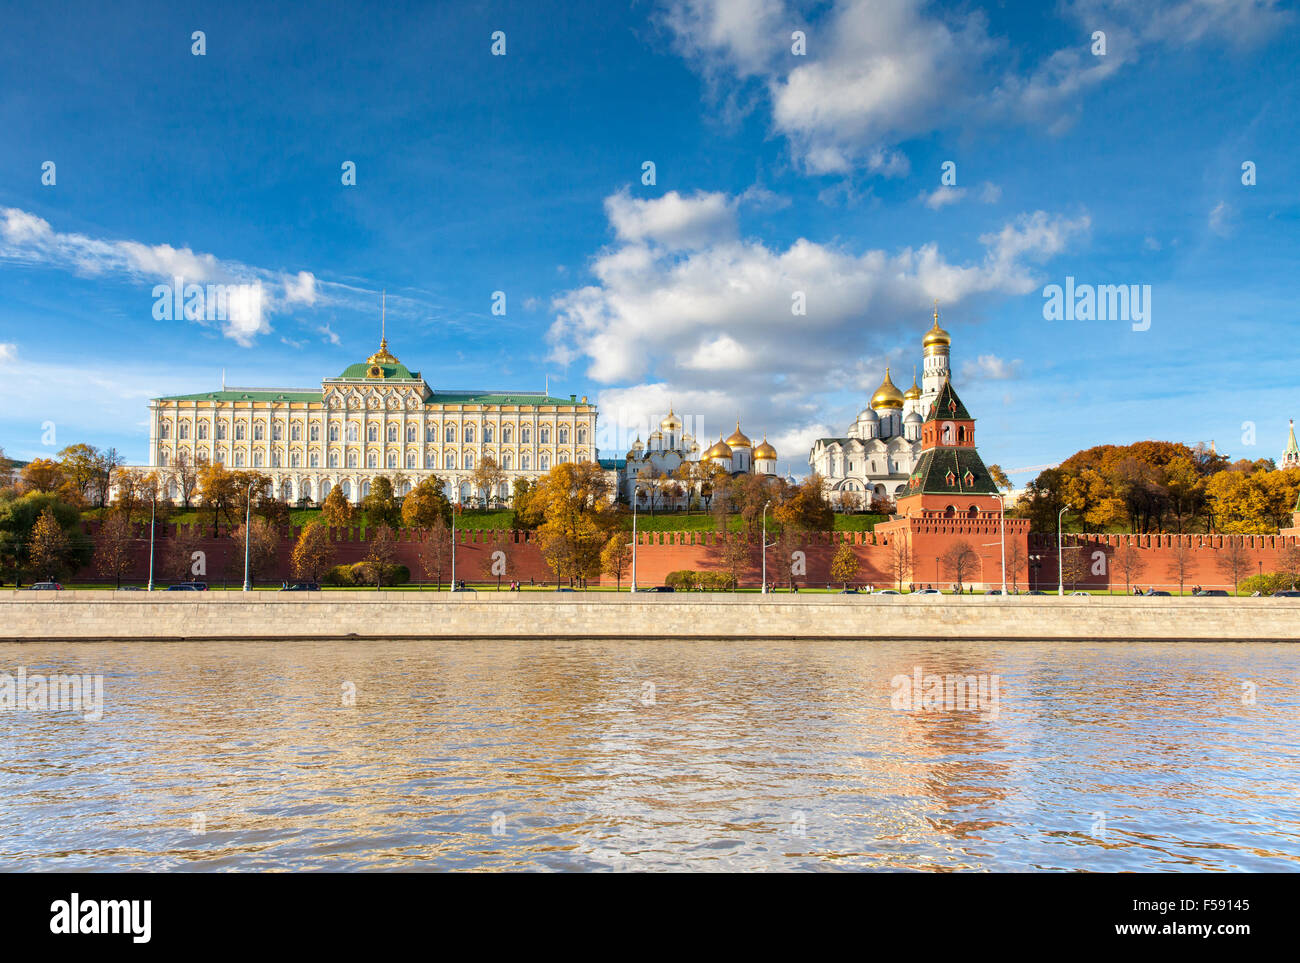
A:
(1291, 457)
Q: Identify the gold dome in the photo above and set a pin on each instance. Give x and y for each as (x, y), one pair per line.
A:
(670, 423)
(656, 435)
(936, 337)
(719, 450)
(738, 439)
(913, 393)
(887, 395)
(764, 451)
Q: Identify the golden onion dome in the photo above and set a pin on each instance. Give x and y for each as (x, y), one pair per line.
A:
(913, 393)
(738, 439)
(719, 450)
(887, 395)
(764, 451)
(656, 435)
(936, 336)
(671, 423)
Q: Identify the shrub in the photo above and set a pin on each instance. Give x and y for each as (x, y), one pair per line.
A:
(1265, 584)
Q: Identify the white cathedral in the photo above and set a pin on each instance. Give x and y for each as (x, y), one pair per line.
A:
(880, 448)
(671, 453)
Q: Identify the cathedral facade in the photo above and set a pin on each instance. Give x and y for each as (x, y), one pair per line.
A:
(878, 452)
(668, 468)
(376, 418)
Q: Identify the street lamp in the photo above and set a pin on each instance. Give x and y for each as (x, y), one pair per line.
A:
(153, 513)
(1060, 563)
(636, 491)
(248, 516)
(1002, 501)
(453, 544)
(763, 536)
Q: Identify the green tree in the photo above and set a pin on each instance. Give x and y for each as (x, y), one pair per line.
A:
(380, 505)
(427, 502)
(845, 565)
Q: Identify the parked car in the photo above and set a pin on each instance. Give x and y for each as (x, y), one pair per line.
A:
(188, 587)
(993, 591)
(1155, 592)
(928, 592)
(850, 592)
(660, 588)
(47, 587)
(1087, 595)
(1035, 592)
(301, 587)
(1287, 594)
(1217, 593)
(887, 592)
(129, 588)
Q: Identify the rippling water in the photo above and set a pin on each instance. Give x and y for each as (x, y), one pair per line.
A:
(654, 755)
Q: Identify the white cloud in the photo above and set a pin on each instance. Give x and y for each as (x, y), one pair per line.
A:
(989, 367)
(26, 238)
(942, 196)
(713, 326)
(879, 72)
(1220, 220)
(8, 351)
(330, 336)
(672, 220)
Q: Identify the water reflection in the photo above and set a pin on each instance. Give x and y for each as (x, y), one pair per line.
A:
(653, 755)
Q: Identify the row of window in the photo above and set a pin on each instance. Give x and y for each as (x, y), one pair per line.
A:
(372, 433)
(372, 460)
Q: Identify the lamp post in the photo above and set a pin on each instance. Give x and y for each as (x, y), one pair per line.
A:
(763, 535)
(1002, 501)
(453, 545)
(248, 517)
(153, 513)
(1060, 560)
(635, 492)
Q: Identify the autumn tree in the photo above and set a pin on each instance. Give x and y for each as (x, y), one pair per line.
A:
(40, 475)
(1000, 478)
(313, 553)
(1181, 559)
(337, 510)
(178, 562)
(1288, 563)
(616, 557)
(106, 462)
(577, 518)
(434, 553)
(187, 478)
(900, 560)
(736, 553)
(80, 466)
(487, 477)
(1016, 561)
(783, 561)
(845, 565)
(1074, 565)
(805, 508)
(426, 502)
(380, 505)
(262, 547)
(959, 562)
(1128, 558)
(382, 554)
(1233, 560)
(46, 555)
(113, 547)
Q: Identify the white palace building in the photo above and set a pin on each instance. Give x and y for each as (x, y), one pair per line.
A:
(375, 418)
(876, 456)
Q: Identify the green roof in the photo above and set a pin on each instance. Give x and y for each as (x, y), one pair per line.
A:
(611, 463)
(947, 406)
(496, 398)
(246, 396)
(396, 371)
(930, 477)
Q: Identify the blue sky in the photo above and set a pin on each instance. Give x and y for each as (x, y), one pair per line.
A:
(775, 173)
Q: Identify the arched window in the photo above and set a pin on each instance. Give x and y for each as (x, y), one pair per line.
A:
(430, 460)
(564, 435)
(372, 459)
(239, 432)
(352, 459)
(973, 512)
(507, 433)
(365, 488)
(392, 433)
(524, 461)
(392, 459)
(525, 435)
(488, 435)
(275, 459)
(469, 434)
(449, 461)
(313, 433)
(295, 459)
(239, 459)
(277, 432)
(203, 431)
(372, 433)
(324, 489)
(295, 432)
(334, 432)
(257, 459)
(411, 433)
(334, 459)
(184, 429)
(221, 431)
(469, 461)
(432, 434)
(544, 462)
(353, 432)
(347, 488)
(410, 459)
(544, 435)
(450, 433)
(507, 461)
(259, 432)
(582, 435)
(166, 431)
(564, 458)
